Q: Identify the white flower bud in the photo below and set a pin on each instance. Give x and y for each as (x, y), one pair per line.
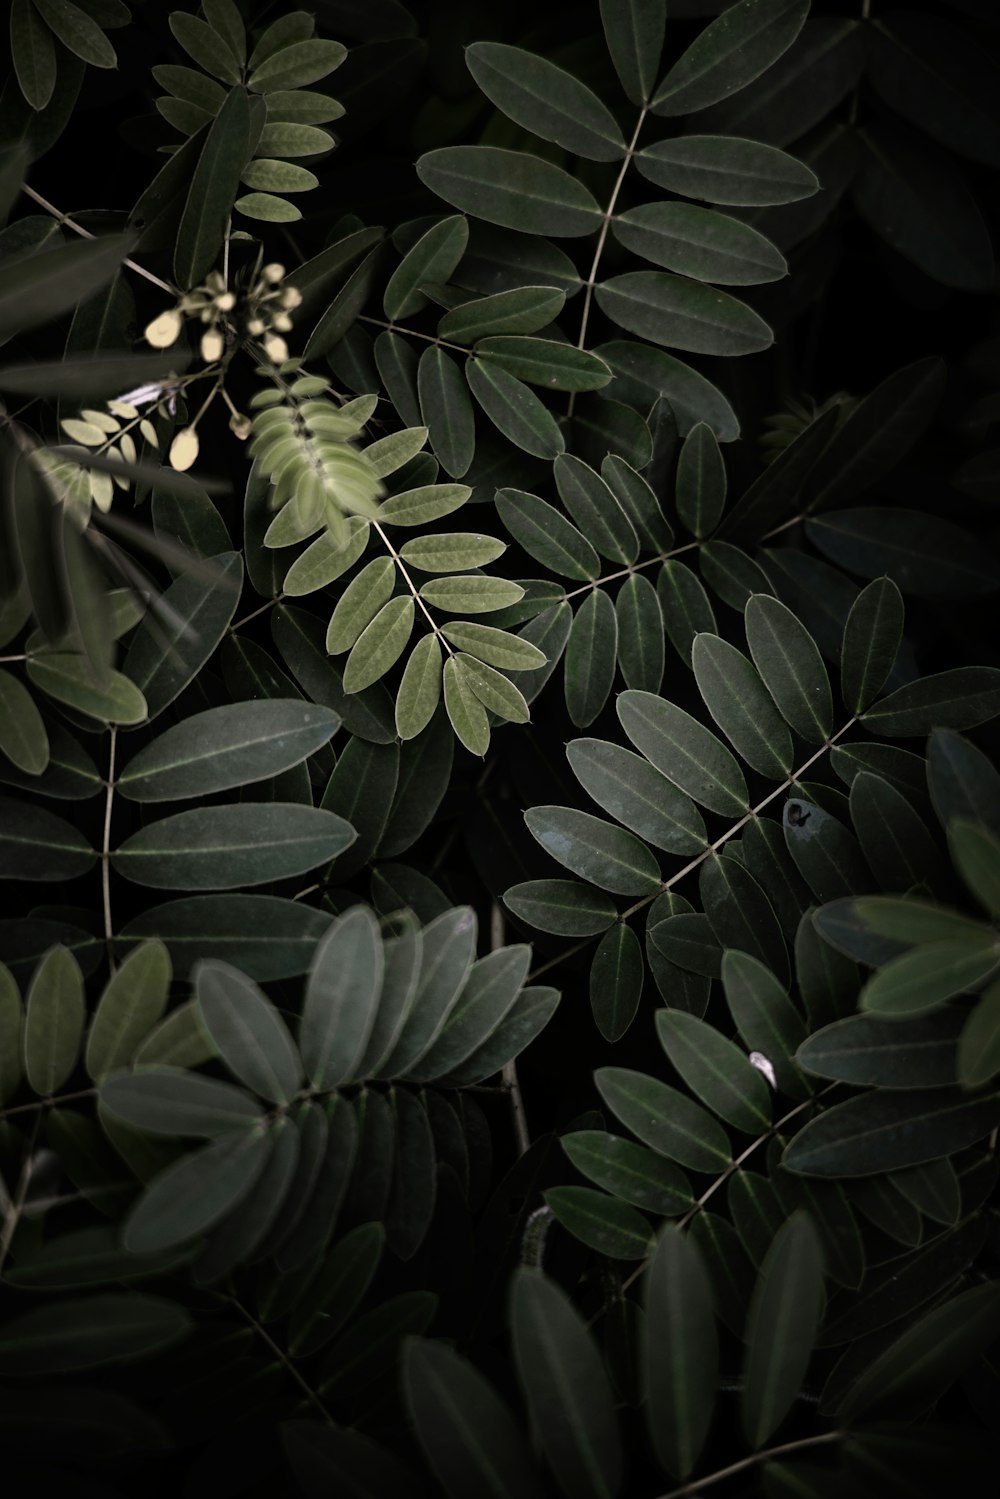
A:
(275, 348)
(291, 297)
(164, 330)
(184, 449)
(212, 346)
(282, 322)
(226, 302)
(241, 425)
(256, 326)
(273, 272)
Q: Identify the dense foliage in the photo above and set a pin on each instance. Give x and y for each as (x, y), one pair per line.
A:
(500, 835)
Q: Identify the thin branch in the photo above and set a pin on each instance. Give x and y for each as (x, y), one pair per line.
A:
(106, 847)
(605, 227)
(262, 610)
(428, 338)
(283, 1358)
(412, 587)
(13, 1215)
(626, 572)
(509, 1071)
(45, 1103)
(697, 1484)
(63, 218)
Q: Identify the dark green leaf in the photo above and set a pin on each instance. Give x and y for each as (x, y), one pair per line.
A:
(867, 1051)
(595, 850)
(730, 53)
(565, 907)
(35, 844)
(643, 373)
(640, 634)
(344, 984)
(679, 1352)
(957, 699)
(247, 1031)
(545, 361)
(53, 1022)
(514, 409)
(737, 700)
(36, 286)
(979, 1043)
(826, 855)
(269, 937)
(432, 258)
(637, 795)
(633, 30)
(604, 1224)
(546, 100)
(32, 53)
(893, 838)
(631, 1172)
(726, 169)
(522, 309)
(962, 781)
(684, 751)
(923, 979)
(700, 243)
(872, 635)
(715, 1070)
(213, 189)
(344, 310)
(616, 979)
(787, 658)
(133, 1000)
(487, 996)
(884, 1131)
(682, 314)
(512, 188)
(197, 1192)
(591, 655)
(664, 1119)
(467, 1434)
(90, 1331)
(686, 609)
(765, 1017)
(782, 1325)
(547, 535)
(163, 658)
(921, 553)
(171, 1101)
(446, 411)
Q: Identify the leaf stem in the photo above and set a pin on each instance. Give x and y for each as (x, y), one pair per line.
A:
(106, 847)
(46, 1103)
(63, 218)
(413, 333)
(509, 1070)
(626, 572)
(801, 1444)
(283, 1358)
(13, 1214)
(412, 587)
(253, 615)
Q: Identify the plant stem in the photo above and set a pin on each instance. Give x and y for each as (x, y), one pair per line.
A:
(428, 338)
(46, 1103)
(283, 1358)
(509, 1071)
(12, 1216)
(626, 572)
(697, 1484)
(412, 587)
(106, 847)
(63, 218)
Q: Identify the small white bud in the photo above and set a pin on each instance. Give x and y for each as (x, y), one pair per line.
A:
(241, 425)
(256, 326)
(164, 330)
(273, 272)
(184, 449)
(212, 346)
(291, 297)
(226, 302)
(275, 348)
(282, 322)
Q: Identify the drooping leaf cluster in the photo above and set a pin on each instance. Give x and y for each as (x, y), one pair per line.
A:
(500, 832)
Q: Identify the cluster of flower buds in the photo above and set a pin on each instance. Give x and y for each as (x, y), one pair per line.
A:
(268, 306)
(265, 314)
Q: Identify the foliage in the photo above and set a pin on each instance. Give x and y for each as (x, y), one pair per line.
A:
(685, 314)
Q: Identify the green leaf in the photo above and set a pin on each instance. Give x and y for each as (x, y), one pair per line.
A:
(565, 907)
(359, 603)
(700, 243)
(224, 848)
(734, 694)
(342, 992)
(679, 1352)
(495, 647)
(37, 285)
(213, 189)
(664, 1119)
(488, 995)
(53, 1024)
(11, 1024)
(640, 634)
(685, 606)
(931, 974)
(962, 781)
(616, 980)
(163, 658)
(765, 1017)
(197, 1192)
(686, 753)
(35, 844)
(297, 65)
(957, 699)
(933, 1188)
(79, 32)
(569, 1398)
(884, 1131)
(654, 373)
(629, 1171)
(512, 188)
(472, 594)
(522, 309)
(730, 53)
(299, 638)
(975, 853)
(591, 655)
(514, 409)
(913, 921)
(133, 1000)
(595, 850)
(726, 169)
(420, 688)
(640, 504)
(612, 1228)
(88, 1332)
(269, 937)
(789, 661)
(495, 691)
(23, 736)
(922, 554)
(173, 1102)
(226, 747)
(899, 176)
(433, 258)
(872, 635)
(700, 485)
(715, 1070)
(920, 1365)
(682, 314)
(247, 1032)
(415, 507)
(687, 941)
(466, 1432)
(595, 509)
(446, 411)
(867, 1051)
(340, 316)
(637, 795)
(782, 1325)
(452, 551)
(208, 47)
(546, 100)
(33, 53)
(379, 645)
(546, 534)
(826, 855)
(633, 30)
(545, 361)
(270, 176)
(466, 712)
(979, 1042)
